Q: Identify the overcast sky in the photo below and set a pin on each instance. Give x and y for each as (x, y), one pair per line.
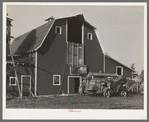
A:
(121, 28)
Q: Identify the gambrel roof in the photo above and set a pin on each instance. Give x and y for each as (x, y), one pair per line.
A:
(32, 40)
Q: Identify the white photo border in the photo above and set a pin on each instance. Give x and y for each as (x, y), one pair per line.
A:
(87, 114)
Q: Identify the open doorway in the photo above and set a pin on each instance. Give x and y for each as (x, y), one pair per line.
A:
(73, 84)
(25, 85)
(74, 30)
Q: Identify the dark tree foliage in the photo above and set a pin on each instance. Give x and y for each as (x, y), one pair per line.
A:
(142, 75)
(133, 66)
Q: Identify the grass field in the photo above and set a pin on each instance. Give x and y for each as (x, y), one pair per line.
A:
(132, 101)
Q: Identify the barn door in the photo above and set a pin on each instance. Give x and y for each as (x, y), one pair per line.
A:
(74, 83)
(25, 85)
(74, 30)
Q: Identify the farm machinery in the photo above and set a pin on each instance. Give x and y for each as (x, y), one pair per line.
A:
(106, 84)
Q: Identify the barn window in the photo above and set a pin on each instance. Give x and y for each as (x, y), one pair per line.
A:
(56, 80)
(58, 30)
(119, 70)
(80, 55)
(12, 81)
(70, 54)
(89, 36)
(75, 54)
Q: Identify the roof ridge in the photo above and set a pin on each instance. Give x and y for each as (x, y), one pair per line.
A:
(29, 41)
(45, 35)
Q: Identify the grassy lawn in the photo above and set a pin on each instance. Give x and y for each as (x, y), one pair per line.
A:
(132, 101)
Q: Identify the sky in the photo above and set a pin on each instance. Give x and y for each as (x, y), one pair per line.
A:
(121, 28)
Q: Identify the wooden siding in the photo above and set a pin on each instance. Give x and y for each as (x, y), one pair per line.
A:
(25, 69)
(51, 57)
(93, 53)
(21, 70)
(110, 67)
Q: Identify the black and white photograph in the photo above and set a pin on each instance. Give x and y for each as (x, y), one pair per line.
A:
(74, 60)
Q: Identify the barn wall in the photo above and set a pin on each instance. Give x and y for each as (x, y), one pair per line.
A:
(65, 80)
(110, 67)
(21, 70)
(10, 90)
(93, 53)
(51, 57)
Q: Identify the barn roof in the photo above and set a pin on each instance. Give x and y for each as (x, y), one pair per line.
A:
(119, 62)
(80, 17)
(33, 39)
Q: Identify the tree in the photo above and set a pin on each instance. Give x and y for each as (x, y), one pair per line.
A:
(142, 75)
(135, 74)
(133, 66)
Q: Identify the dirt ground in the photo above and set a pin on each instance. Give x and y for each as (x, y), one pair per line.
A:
(132, 101)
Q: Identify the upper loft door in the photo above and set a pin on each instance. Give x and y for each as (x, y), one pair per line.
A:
(74, 30)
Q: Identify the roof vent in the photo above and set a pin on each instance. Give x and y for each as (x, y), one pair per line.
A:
(50, 19)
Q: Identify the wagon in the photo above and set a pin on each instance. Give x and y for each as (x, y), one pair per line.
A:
(121, 86)
(99, 83)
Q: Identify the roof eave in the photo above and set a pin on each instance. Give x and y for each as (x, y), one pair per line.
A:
(120, 63)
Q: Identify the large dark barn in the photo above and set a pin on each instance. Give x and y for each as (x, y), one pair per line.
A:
(52, 58)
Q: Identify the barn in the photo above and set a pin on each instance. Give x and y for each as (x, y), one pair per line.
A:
(53, 58)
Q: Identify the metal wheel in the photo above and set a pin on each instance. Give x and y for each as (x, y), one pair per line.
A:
(123, 94)
(106, 94)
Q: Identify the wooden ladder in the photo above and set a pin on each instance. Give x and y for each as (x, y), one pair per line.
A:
(15, 71)
(31, 92)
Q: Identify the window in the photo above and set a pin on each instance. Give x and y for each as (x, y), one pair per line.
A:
(89, 36)
(80, 56)
(56, 80)
(70, 55)
(58, 30)
(119, 70)
(12, 81)
(75, 54)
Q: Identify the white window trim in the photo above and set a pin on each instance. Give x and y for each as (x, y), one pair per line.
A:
(10, 81)
(59, 80)
(88, 36)
(56, 29)
(72, 52)
(121, 70)
(77, 55)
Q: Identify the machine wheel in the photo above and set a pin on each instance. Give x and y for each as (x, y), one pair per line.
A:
(106, 94)
(123, 94)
